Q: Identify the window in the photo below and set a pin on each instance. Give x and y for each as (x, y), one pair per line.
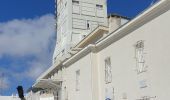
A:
(108, 71)
(99, 6)
(100, 11)
(75, 2)
(65, 4)
(76, 7)
(143, 83)
(63, 51)
(88, 25)
(77, 80)
(139, 56)
(65, 93)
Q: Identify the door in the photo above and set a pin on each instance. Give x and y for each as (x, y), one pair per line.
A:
(57, 94)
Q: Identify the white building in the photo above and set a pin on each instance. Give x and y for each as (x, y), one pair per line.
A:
(128, 63)
(9, 98)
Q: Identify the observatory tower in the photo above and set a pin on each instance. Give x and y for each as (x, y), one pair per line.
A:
(75, 20)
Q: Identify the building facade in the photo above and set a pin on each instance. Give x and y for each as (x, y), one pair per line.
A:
(130, 62)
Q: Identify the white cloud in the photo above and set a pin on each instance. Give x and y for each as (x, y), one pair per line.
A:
(36, 68)
(26, 38)
(4, 83)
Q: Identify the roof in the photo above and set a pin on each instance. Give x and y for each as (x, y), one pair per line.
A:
(48, 84)
(118, 15)
(99, 31)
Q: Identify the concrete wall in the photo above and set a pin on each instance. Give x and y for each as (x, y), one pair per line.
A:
(127, 83)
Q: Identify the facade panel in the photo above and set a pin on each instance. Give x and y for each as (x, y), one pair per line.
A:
(79, 24)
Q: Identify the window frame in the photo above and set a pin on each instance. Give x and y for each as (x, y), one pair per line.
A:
(108, 70)
(78, 80)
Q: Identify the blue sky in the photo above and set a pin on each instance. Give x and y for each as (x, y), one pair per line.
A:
(27, 37)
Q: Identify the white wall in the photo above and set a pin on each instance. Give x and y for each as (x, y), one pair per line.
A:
(125, 80)
(33, 96)
(69, 76)
(47, 98)
(8, 98)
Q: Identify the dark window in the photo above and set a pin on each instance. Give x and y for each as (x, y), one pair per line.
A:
(75, 2)
(99, 6)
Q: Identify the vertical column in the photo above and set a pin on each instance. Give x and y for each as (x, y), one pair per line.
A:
(95, 77)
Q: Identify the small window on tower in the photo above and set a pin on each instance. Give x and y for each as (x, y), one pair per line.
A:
(75, 7)
(75, 2)
(88, 25)
(99, 6)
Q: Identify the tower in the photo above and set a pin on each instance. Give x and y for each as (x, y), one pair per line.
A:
(75, 20)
